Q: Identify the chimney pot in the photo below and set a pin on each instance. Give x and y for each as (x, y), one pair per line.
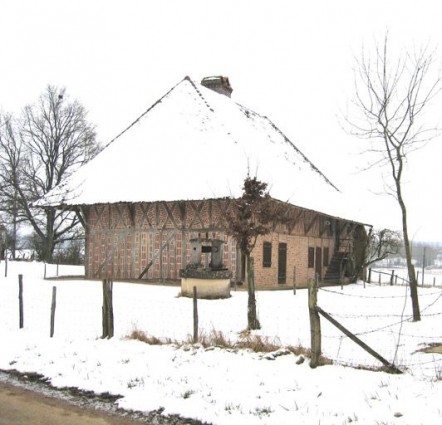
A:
(219, 84)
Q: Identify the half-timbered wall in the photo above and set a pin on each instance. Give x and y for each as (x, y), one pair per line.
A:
(150, 241)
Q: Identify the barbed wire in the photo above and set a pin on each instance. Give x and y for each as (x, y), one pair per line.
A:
(378, 297)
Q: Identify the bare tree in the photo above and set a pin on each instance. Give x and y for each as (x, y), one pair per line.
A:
(379, 245)
(10, 175)
(51, 139)
(253, 215)
(392, 94)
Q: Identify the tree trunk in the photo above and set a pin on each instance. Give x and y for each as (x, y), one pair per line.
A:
(252, 317)
(49, 242)
(410, 267)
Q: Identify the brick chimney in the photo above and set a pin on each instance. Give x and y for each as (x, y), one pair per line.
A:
(219, 84)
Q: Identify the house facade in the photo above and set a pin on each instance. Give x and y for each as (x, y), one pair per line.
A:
(173, 175)
(151, 242)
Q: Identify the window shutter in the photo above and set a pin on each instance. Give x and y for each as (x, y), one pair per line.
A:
(267, 254)
(311, 257)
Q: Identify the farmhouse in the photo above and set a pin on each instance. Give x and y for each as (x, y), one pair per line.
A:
(172, 176)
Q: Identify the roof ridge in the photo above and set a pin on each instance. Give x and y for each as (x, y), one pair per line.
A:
(147, 110)
(199, 93)
(287, 140)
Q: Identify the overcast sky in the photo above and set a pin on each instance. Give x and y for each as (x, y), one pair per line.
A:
(289, 60)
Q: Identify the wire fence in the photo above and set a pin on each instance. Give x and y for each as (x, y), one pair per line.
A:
(380, 316)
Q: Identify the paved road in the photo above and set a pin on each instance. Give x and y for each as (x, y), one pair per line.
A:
(19, 406)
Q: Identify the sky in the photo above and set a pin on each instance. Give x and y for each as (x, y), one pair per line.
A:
(289, 60)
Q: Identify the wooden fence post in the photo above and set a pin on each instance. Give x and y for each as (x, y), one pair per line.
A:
(390, 366)
(20, 300)
(417, 276)
(107, 309)
(294, 280)
(315, 323)
(58, 263)
(6, 263)
(110, 303)
(379, 278)
(53, 305)
(395, 280)
(195, 315)
(434, 281)
(392, 278)
(369, 275)
(44, 274)
(104, 311)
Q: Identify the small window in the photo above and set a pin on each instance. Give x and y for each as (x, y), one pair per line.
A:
(311, 258)
(325, 257)
(267, 254)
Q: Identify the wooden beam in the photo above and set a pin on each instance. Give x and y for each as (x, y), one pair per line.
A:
(292, 223)
(170, 215)
(223, 207)
(99, 215)
(309, 227)
(132, 214)
(324, 227)
(390, 367)
(157, 254)
(145, 216)
(80, 216)
(197, 215)
(110, 253)
(120, 217)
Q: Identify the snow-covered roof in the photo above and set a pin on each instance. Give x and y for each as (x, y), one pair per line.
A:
(195, 144)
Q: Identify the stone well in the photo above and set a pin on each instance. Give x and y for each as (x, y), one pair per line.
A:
(211, 279)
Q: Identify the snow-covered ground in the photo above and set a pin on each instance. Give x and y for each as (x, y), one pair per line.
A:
(229, 386)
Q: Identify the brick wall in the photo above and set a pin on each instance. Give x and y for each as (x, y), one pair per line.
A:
(297, 259)
(123, 239)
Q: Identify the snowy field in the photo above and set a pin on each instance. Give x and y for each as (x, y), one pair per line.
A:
(229, 386)
(432, 277)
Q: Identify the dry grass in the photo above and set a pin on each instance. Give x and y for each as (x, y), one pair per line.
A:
(247, 341)
(143, 337)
